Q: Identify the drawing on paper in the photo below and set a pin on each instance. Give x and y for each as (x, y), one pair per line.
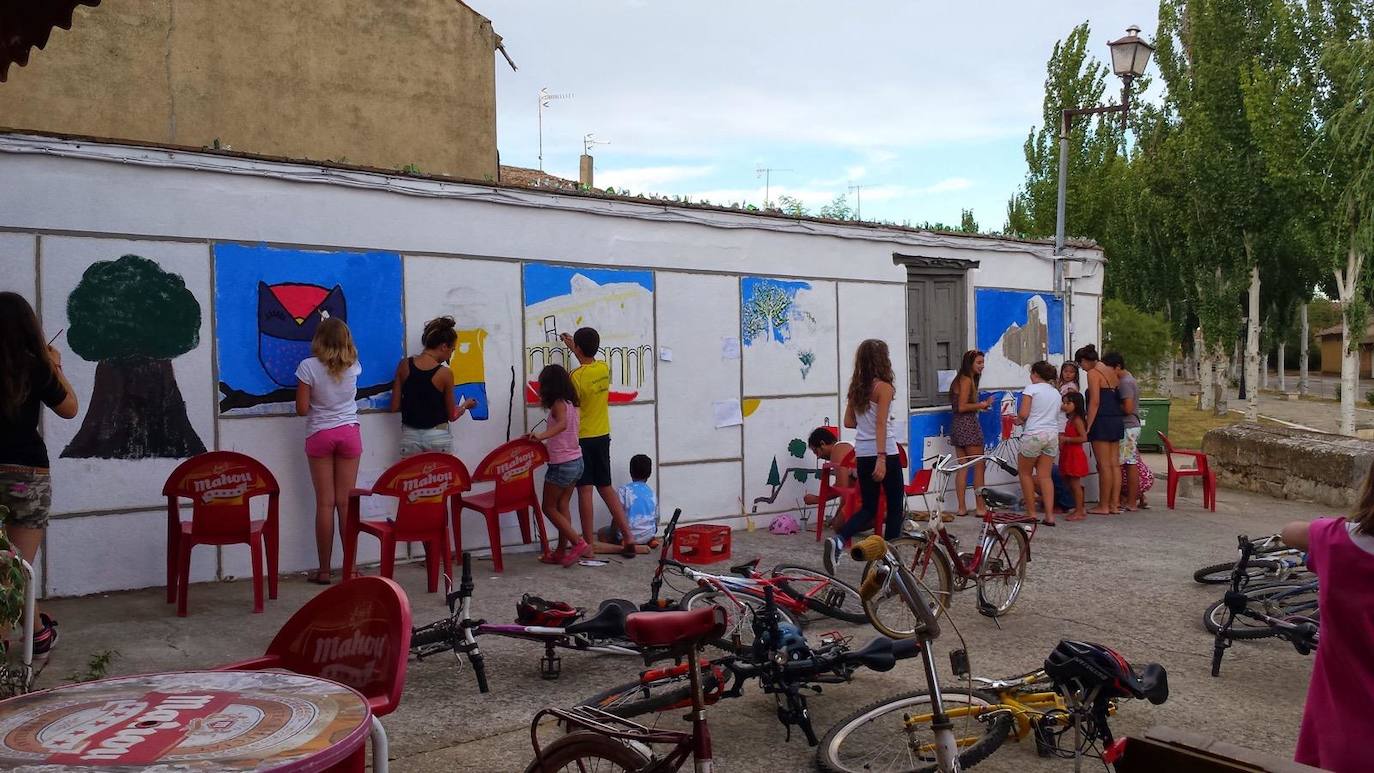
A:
(132, 318)
(268, 304)
(1016, 328)
(470, 371)
(774, 313)
(618, 303)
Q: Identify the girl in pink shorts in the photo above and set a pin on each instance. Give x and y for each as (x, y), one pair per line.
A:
(326, 395)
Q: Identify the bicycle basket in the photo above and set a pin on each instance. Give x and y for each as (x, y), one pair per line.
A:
(532, 610)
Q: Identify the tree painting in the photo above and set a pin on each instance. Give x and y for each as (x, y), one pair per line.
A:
(766, 313)
(132, 318)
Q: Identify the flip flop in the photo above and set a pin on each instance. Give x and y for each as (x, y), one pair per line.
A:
(1072, 517)
(319, 578)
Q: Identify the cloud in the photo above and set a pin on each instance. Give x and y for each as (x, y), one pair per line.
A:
(948, 185)
(651, 178)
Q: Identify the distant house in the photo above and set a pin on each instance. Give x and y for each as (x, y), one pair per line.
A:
(1331, 349)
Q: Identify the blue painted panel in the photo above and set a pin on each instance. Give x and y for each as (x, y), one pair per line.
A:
(997, 310)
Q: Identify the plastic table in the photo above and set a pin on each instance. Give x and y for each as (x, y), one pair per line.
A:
(188, 721)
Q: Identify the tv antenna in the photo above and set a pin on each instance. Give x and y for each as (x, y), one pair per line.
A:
(858, 191)
(766, 172)
(589, 140)
(545, 98)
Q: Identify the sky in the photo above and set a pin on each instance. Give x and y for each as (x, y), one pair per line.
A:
(925, 105)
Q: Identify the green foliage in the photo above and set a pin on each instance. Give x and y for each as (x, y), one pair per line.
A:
(1142, 338)
(410, 169)
(97, 667)
(966, 222)
(11, 579)
(837, 209)
(791, 206)
(797, 448)
(129, 309)
(1369, 397)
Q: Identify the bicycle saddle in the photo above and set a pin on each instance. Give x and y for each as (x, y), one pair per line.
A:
(607, 623)
(997, 499)
(1154, 683)
(670, 629)
(746, 569)
(882, 653)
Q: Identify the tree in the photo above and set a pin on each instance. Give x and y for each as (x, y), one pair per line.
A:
(132, 318)
(966, 222)
(837, 209)
(1143, 339)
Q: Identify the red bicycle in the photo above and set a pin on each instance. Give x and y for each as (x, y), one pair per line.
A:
(996, 567)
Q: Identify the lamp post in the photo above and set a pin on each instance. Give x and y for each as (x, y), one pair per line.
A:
(1130, 56)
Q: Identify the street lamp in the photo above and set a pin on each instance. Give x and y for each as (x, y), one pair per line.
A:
(1130, 57)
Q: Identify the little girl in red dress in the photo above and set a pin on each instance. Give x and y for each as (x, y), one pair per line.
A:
(1073, 462)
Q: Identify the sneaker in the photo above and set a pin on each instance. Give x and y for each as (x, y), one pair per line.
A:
(576, 553)
(46, 637)
(830, 553)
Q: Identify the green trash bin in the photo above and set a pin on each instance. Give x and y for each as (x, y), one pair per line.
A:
(1154, 419)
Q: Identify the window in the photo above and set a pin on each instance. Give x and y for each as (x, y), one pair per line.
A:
(937, 322)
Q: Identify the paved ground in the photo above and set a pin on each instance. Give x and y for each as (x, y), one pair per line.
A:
(1124, 581)
(1323, 415)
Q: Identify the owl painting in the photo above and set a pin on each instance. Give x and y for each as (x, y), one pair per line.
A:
(288, 314)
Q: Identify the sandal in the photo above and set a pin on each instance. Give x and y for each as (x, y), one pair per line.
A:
(1073, 517)
(320, 578)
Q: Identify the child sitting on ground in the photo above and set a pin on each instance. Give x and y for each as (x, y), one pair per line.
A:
(829, 448)
(641, 508)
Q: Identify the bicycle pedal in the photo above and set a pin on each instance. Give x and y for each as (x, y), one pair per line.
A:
(550, 667)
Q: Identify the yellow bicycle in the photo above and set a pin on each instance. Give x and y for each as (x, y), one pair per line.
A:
(1073, 695)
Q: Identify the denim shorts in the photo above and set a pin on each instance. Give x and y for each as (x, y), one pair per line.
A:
(415, 441)
(564, 474)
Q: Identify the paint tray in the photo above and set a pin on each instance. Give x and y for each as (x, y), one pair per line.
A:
(701, 543)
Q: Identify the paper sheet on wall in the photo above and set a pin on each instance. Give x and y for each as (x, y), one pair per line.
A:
(727, 413)
(944, 379)
(665, 354)
(729, 348)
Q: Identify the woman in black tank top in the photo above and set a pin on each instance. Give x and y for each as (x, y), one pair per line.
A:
(423, 392)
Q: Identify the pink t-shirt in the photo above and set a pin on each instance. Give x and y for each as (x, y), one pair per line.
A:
(1338, 721)
(564, 447)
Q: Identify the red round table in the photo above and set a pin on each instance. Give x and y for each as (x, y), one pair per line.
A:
(188, 721)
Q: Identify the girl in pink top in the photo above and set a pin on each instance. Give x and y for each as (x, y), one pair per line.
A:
(558, 396)
(1338, 721)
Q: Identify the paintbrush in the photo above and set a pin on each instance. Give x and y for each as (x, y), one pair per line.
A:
(54, 338)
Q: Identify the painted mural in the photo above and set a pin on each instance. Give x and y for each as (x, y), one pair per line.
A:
(1016, 328)
(469, 368)
(618, 303)
(268, 303)
(132, 318)
(787, 333)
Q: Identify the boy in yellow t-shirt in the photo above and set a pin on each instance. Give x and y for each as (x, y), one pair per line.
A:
(593, 382)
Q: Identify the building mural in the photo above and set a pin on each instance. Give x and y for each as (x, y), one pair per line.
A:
(132, 318)
(1015, 328)
(268, 303)
(618, 303)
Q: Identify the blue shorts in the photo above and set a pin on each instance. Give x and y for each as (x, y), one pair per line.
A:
(564, 474)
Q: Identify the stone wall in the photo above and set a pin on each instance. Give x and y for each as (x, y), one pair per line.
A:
(1290, 463)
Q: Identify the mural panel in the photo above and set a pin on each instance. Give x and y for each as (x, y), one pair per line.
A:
(131, 319)
(268, 302)
(787, 329)
(1016, 328)
(618, 303)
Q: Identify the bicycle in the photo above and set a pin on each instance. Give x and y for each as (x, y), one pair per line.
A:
(1297, 623)
(1278, 562)
(996, 567)
(1071, 694)
(782, 662)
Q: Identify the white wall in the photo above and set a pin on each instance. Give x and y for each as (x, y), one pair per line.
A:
(464, 249)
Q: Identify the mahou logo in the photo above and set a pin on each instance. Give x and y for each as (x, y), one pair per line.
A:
(428, 484)
(517, 465)
(223, 482)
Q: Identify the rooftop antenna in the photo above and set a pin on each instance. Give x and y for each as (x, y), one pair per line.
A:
(766, 172)
(858, 191)
(589, 140)
(544, 99)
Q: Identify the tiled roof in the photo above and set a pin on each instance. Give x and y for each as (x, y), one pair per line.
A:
(533, 178)
(26, 24)
(1336, 331)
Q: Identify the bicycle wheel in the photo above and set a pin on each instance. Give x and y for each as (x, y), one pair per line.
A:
(894, 734)
(737, 621)
(822, 593)
(639, 697)
(1278, 600)
(887, 610)
(588, 752)
(1220, 574)
(1003, 571)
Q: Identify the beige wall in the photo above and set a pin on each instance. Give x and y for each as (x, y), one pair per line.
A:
(376, 84)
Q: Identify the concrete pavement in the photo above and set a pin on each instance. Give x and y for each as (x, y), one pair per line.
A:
(1124, 581)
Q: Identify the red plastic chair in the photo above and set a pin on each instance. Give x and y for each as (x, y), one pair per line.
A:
(373, 611)
(1203, 471)
(422, 485)
(829, 491)
(220, 485)
(511, 468)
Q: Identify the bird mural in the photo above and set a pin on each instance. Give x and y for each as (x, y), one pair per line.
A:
(288, 314)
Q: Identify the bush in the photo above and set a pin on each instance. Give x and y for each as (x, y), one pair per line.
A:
(1369, 397)
(1141, 338)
